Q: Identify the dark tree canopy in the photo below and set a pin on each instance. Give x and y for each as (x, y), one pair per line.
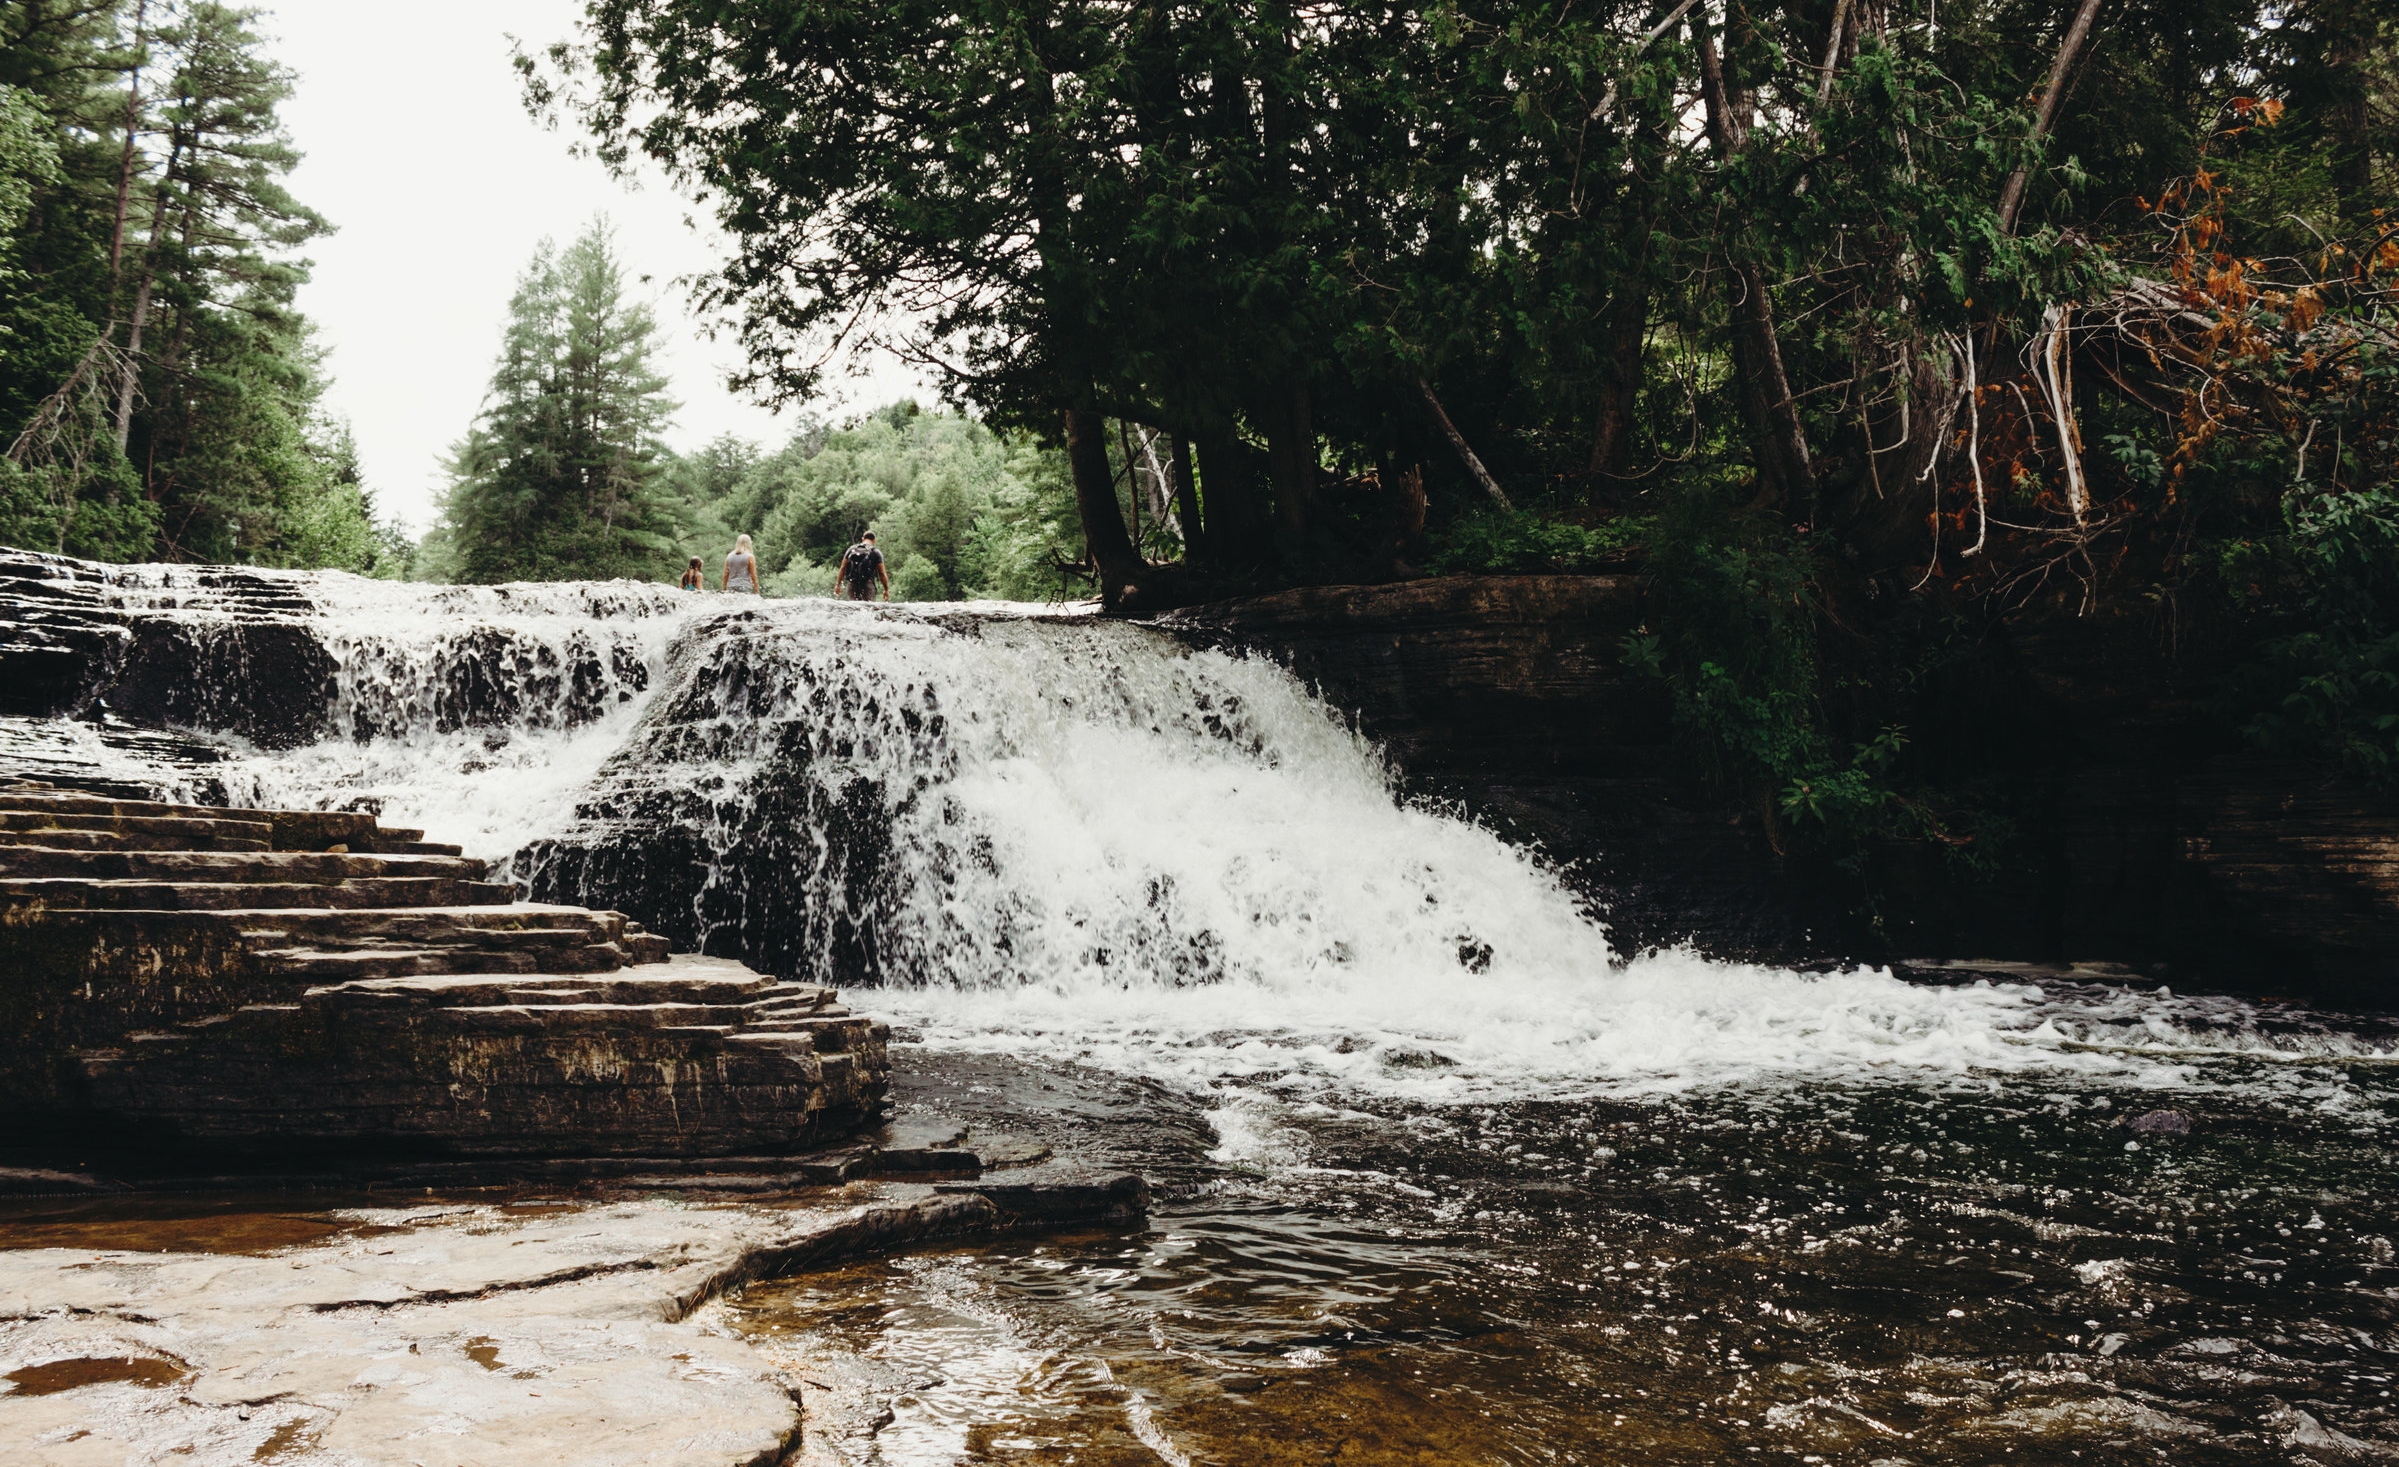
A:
(1870, 329)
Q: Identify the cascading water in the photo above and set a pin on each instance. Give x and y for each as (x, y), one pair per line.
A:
(476, 711)
(1058, 831)
(1457, 1163)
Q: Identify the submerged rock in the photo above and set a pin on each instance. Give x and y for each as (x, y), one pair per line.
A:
(2160, 1123)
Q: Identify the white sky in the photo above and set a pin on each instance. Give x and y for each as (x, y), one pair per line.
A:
(420, 152)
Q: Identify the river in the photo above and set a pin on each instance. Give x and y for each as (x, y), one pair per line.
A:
(1443, 1177)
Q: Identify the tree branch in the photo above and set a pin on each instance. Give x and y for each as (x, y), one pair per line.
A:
(1457, 440)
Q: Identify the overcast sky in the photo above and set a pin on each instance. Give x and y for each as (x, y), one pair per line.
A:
(420, 152)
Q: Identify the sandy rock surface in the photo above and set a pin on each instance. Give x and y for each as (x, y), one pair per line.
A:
(440, 1336)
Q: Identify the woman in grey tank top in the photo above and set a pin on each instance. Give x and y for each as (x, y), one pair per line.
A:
(741, 568)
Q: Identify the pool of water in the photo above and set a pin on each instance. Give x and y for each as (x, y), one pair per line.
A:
(1988, 1269)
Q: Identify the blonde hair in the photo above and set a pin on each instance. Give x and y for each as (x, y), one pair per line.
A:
(741, 543)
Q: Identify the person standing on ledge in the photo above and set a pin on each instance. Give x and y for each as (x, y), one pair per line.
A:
(694, 579)
(741, 566)
(860, 565)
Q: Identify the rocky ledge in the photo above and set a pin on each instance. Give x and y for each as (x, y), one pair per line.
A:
(252, 980)
(447, 1335)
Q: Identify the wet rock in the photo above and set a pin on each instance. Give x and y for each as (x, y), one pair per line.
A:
(439, 1333)
(1002, 1152)
(45, 1182)
(2311, 1440)
(894, 1161)
(2160, 1123)
(782, 867)
(1050, 1194)
(210, 647)
(107, 757)
(268, 681)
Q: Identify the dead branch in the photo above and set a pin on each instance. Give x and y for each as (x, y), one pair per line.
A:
(1457, 440)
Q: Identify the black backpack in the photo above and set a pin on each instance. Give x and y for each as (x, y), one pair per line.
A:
(858, 563)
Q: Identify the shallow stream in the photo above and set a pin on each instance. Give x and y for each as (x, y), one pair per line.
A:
(1985, 1269)
(1442, 1179)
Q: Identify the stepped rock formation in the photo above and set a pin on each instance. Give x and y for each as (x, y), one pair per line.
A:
(245, 978)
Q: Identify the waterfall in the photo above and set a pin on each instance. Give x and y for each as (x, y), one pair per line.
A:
(1071, 838)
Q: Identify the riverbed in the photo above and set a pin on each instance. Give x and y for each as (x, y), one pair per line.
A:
(1984, 1268)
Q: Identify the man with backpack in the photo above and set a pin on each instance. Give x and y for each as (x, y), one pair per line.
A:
(861, 564)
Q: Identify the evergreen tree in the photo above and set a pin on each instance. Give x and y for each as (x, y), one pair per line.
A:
(158, 390)
(562, 476)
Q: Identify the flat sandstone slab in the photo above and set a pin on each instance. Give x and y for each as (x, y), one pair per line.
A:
(445, 1336)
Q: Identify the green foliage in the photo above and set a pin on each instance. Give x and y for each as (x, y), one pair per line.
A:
(158, 391)
(28, 159)
(1735, 637)
(563, 477)
(1737, 644)
(1524, 541)
(959, 511)
(1854, 801)
(99, 515)
(2330, 686)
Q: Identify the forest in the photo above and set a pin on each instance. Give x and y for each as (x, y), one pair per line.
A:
(1879, 336)
(159, 393)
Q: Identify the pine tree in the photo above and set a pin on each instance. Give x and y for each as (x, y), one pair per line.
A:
(158, 388)
(563, 477)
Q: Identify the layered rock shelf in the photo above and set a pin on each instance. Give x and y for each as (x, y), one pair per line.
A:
(247, 979)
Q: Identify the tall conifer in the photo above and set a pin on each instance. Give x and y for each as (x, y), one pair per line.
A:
(562, 476)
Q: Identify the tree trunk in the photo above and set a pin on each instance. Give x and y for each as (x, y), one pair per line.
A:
(1234, 520)
(1620, 383)
(2011, 197)
(133, 119)
(1187, 505)
(1118, 566)
(1291, 460)
(129, 381)
(1124, 435)
(131, 376)
(1466, 454)
(1835, 33)
(2350, 115)
(1785, 467)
